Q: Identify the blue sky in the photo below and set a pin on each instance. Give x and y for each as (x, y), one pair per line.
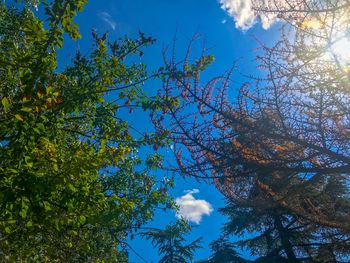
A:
(161, 19)
(230, 36)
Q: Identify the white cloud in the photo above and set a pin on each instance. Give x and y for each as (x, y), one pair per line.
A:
(193, 191)
(107, 18)
(243, 14)
(192, 209)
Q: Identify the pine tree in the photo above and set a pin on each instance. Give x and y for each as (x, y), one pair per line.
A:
(170, 242)
(224, 251)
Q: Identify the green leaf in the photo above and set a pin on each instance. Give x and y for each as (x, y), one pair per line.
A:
(26, 109)
(71, 187)
(28, 161)
(8, 230)
(29, 224)
(19, 117)
(40, 126)
(82, 219)
(47, 206)
(55, 167)
(23, 213)
(50, 90)
(5, 103)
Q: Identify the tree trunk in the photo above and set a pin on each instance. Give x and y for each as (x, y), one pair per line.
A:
(286, 244)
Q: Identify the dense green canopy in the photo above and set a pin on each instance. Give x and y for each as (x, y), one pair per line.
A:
(71, 183)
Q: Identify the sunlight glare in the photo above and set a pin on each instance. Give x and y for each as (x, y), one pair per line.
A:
(341, 50)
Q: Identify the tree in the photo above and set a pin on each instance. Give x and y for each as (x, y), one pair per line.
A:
(223, 251)
(278, 235)
(170, 242)
(286, 137)
(72, 184)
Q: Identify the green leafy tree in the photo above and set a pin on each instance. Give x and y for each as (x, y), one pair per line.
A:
(170, 242)
(72, 186)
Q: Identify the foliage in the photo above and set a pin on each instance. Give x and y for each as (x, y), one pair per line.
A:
(72, 184)
(278, 149)
(223, 251)
(277, 235)
(170, 242)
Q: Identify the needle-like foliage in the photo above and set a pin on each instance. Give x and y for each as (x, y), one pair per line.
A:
(170, 242)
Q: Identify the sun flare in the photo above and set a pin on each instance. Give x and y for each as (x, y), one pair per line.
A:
(341, 50)
(332, 36)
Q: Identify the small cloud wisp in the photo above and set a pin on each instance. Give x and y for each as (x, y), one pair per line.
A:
(107, 18)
